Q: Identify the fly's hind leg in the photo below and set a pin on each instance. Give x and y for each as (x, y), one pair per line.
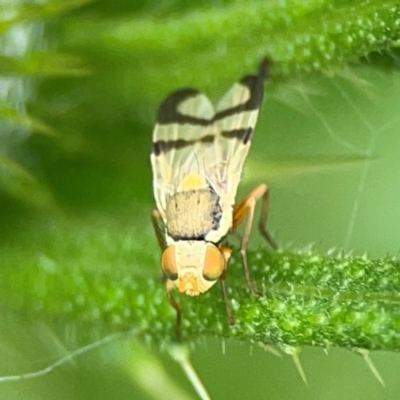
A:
(155, 220)
(245, 208)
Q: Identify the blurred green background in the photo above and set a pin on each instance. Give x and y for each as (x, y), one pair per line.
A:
(79, 90)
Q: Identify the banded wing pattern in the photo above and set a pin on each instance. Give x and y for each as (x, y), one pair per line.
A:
(191, 136)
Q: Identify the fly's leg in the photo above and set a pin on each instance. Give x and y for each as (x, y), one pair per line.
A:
(155, 220)
(245, 208)
(228, 309)
(241, 209)
(226, 252)
(175, 305)
(262, 222)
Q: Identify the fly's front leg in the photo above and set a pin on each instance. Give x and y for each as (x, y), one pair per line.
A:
(226, 252)
(156, 219)
(228, 309)
(175, 305)
(245, 208)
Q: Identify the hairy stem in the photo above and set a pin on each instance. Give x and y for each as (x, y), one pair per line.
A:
(309, 299)
(203, 46)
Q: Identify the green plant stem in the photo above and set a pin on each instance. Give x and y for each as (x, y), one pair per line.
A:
(309, 299)
(206, 46)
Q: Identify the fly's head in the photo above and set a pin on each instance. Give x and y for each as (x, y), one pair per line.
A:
(194, 266)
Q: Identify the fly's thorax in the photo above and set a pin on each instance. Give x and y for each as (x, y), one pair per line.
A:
(193, 266)
(194, 210)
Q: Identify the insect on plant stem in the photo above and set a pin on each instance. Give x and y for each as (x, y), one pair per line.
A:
(197, 159)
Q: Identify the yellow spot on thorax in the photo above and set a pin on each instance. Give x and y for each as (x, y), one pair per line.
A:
(192, 181)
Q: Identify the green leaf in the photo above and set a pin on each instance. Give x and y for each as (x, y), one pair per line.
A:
(13, 12)
(22, 185)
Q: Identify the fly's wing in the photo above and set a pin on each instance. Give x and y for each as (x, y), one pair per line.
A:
(191, 137)
(234, 121)
(183, 119)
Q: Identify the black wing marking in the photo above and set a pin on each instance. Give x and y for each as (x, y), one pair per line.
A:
(191, 137)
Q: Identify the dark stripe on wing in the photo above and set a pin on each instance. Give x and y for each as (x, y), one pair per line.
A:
(164, 146)
(243, 135)
(255, 83)
(168, 111)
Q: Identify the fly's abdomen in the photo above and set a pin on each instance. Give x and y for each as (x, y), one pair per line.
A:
(191, 214)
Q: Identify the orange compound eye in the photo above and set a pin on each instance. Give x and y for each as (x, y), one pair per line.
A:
(168, 263)
(214, 263)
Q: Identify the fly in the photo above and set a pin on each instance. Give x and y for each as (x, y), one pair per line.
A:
(197, 160)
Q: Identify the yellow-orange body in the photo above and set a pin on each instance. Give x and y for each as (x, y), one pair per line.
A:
(197, 160)
(193, 214)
